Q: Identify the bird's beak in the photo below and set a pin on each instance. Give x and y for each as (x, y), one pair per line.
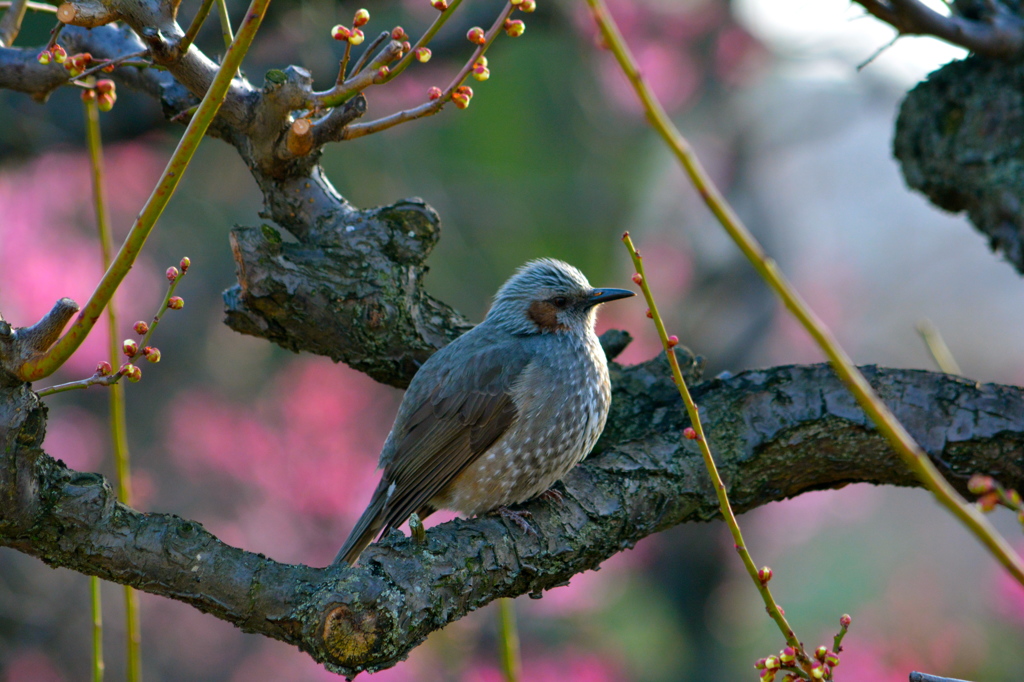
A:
(605, 295)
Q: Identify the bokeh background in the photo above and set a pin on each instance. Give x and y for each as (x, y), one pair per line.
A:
(275, 452)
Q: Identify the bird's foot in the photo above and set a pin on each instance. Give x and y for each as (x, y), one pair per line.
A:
(517, 517)
(552, 495)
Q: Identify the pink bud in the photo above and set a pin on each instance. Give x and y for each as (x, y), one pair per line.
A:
(185, 264)
(176, 303)
(476, 35)
(109, 68)
(481, 73)
(88, 95)
(172, 273)
(787, 655)
(673, 341)
(761, 663)
(361, 18)
(650, 315)
(638, 279)
(340, 32)
(105, 102)
(465, 90)
(772, 663)
(141, 327)
(528, 6)
(131, 372)
(979, 484)
(434, 93)
(129, 347)
(514, 27)
(152, 354)
(105, 85)
(104, 368)
(59, 54)
(398, 33)
(44, 57)
(382, 74)
(831, 659)
(764, 575)
(689, 433)
(821, 652)
(988, 501)
(440, 5)
(845, 620)
(422, 54)
(818, 672)
(356, 37)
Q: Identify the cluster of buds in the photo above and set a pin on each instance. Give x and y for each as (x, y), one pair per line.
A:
(786, 661)
(104, 92)
(77, 63)
(525, 5)
(514, 27)
(480, 70)
(992, 494)
(56, 53)
(354, 36)
(462, 95)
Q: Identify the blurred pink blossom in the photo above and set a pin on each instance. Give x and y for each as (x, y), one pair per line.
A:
(30, 666)
(1008, 596)
(574, 666)
(309, 441)
(75, 436)
(48, 243)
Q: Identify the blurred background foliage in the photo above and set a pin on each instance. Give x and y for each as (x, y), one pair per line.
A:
(275, 452)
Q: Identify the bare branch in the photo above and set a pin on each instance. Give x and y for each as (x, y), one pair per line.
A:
(10, 24)
(780, 432)
(1000, 34)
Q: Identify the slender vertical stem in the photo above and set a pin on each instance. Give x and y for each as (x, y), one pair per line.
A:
(10, 24)
(93, 141)
(44, 365)
(508, 637)
(937, 347)
(906, 447)
(117, 417)
(193, 28)
(225, 22)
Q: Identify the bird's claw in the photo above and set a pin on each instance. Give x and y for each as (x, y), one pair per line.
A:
(517, 517)
(552, 495)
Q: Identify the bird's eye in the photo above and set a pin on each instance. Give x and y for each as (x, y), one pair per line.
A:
(560, 301)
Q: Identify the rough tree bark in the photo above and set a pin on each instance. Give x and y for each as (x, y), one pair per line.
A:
(350, 288)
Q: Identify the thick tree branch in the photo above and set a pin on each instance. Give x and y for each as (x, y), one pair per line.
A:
(778, 433)
(999, 33)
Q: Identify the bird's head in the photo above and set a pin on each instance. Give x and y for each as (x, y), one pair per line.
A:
(549, 296)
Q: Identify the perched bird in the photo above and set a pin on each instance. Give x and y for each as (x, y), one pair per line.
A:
(503, 412)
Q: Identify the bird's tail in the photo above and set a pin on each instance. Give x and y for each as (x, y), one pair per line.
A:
(366, 529)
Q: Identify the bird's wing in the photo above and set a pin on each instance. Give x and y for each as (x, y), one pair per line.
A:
(468, 409)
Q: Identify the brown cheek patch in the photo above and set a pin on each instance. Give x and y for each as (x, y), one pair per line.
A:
(545, 316)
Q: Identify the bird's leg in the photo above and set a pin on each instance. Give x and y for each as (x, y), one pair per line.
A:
(516, 517)
(552, 495)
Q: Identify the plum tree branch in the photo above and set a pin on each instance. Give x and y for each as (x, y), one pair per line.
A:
(781, 432)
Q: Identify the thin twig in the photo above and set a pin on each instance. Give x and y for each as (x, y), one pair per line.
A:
(941, 353)
(117, 61)
(384, 35)
(432, 107)
(709, 462)
(34, 6)
(904, 444)
(47, 363)
(225, 23)
(10, 23)
(193, 29)
(424, 39)
(508, 636)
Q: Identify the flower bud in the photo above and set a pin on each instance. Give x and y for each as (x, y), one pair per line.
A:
(434, 93)
(979, 484)
(689, 433)
(398, 33)
(88, 95)
(382, 74)
(514, 27)
(831, 659)
(131, 372)
(764, 575)
(172, 273)
(1013, 498)
(465, 90)
(104, 368)
(460, 100)
(528, 6)
(59, 54)
(761, 663)
(105, 102)
(481, 73)
(176, 303)
(105, 85)
(767, 675)
(673, 341)
(356, 38)
(130, 348)
(152, 354)
(141, 327)
(476, 35)
(185, 264)
(650, 315)
(44, 57)
(361, 18)
(821, 652)
(772, 663)
(638, 279)
(818, 671)
(422, 54)
(109, 68)
(440, 5)
(406, 46)
(845, 620)
(988, 501)
(787, 655)
(340, 32)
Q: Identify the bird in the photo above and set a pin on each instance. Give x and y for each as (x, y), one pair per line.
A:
(500, 414)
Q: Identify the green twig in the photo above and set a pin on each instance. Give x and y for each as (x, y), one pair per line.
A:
(909, 450)
(225, 22)
(193, 29)
(508, 637)
(116, 417)
(937, 347)
(424, 40)
(46, 364)
(723, 499)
